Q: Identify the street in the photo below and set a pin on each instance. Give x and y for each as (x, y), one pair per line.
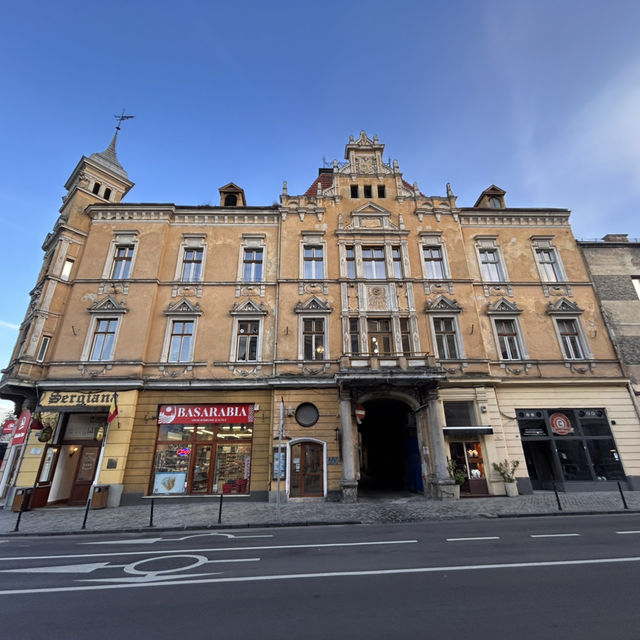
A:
(553, 577)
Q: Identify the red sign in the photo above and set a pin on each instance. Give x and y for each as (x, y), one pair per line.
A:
(8, 427)
(22, 426)
(360, 412)
(560, 424)
(205, 414)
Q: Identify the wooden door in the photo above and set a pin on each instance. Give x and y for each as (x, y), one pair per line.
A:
(307, 470)
(84, 474)
(45, 476)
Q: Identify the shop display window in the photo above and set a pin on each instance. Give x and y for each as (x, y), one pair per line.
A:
(202, 459)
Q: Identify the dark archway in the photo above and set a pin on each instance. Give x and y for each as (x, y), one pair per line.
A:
(389, 453)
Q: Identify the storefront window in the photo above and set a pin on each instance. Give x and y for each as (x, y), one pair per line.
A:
(573, 460)
(605, 458)
(200, 457)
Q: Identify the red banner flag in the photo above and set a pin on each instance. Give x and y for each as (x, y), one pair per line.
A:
(113, 409)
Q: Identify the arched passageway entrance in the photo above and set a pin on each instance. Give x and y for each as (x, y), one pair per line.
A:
(389, 453)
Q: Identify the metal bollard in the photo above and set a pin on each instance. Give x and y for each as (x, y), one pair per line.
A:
(557, 496)
(220, 509)
(151, 514)
(624, 502)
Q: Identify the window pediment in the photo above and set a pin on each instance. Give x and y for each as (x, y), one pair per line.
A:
(503, 306)
(564, 307)
(108, 305)
(183, 306)
(443, 304)
(249, 308)
(313, 305)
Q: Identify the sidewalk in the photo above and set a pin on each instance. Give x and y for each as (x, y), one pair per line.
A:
(172, 515)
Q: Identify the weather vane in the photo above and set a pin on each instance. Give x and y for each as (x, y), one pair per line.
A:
(121, 118)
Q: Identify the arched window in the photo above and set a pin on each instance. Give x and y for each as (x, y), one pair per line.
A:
(230, 200)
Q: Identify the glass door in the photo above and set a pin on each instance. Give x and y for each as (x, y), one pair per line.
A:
(307, 471)
(202, 470)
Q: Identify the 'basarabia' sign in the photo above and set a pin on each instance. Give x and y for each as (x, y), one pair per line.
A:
(205, 414)
(62, 399)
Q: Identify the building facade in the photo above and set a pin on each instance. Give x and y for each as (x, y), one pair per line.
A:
(356, 337)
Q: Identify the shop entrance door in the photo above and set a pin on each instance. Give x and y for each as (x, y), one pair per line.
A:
(45, 476)
(307, 471)
(202, 469)
(85, 474)
(540, 465)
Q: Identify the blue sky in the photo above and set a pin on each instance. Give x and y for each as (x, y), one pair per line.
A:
(539, 97)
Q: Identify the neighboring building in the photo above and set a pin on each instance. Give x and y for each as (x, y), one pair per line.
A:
(390, 330)
(614, 264)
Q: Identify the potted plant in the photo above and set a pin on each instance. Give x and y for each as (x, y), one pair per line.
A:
(507, 470)
(457, 475)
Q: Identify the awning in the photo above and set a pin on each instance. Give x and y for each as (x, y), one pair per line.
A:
(470, 431)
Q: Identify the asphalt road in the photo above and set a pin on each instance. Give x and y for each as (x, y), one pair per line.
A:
(556, 577)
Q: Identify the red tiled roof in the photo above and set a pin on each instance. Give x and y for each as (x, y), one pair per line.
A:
(325, 180)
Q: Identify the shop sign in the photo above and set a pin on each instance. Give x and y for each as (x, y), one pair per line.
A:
(8, 427)
(205, 414)
(22, 426)
(72, 399)
(560, 424)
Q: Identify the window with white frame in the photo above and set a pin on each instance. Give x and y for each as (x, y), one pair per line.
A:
(313, 261)
(313, 337)
(181, 340)
(447, 339)
(547, 260)
(103, 339)
(247, 340)
(405, 335)
(252, 264)
(354, 336)
(67, 267)
(44, 346)
(192, 260)
(636, 284)
(121, 257)
(571, 338)
(434, 257)
(350, 256)
(508, 338)
(396, 261)
(491, 265)
(373, 262)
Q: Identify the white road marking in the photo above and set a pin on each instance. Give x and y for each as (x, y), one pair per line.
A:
(328, 574)
(554, 535)
(234, 549)
(479, 538)
(622, 533)
(198, 535)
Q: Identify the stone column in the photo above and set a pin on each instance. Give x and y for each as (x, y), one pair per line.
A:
(440, 483)
(349, 483)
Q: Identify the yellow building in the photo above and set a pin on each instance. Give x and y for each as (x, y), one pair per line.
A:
(360, 337)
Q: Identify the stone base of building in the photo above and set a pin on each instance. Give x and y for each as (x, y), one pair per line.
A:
(349, 492)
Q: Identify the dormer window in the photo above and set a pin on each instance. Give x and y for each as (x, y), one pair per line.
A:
(495, 203)
(231, 195)
(231, 200)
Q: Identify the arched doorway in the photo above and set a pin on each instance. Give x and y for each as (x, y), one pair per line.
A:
(389, 452)
(306, 469)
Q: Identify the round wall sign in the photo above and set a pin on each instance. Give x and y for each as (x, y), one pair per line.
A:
(560, 424)
(307, 414)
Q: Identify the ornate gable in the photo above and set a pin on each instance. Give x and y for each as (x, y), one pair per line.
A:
(313, 305)
(248, 307)
(564, 307)
(108, 305)
(503, 306)
(442, 304)
(371, 216)
(183, 306)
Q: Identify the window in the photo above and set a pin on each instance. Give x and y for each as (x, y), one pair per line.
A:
(382, 192)
(122, 259)
(636, 284)
(96, 187)
(368, 192)
(459, 414)
(495, 203)
(405, 336)
(66, 269)
(44, 345)
(490, 265)
(508, 339)
(103, 341)
(373, 263)
(248, 333)
(380, 336)
(433, 262)
(446, 338)
(252, 265)
(396, 258)
(313, 262)
(181, 341)
(313, 338)
(192, 264)
(354, 190)
(354, 336)
(570, 338)
(230, 200)
(548, 265)
(107, 193)
(351, 262)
